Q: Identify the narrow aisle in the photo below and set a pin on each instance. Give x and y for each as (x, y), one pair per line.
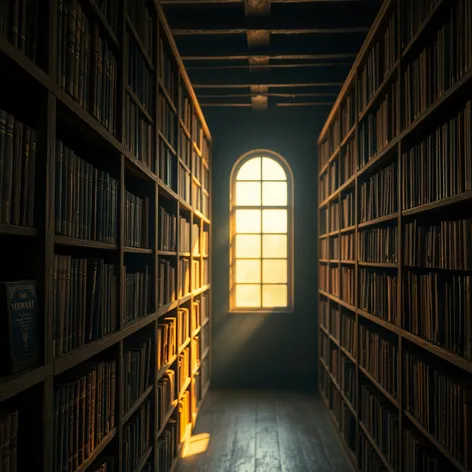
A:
(263, 432)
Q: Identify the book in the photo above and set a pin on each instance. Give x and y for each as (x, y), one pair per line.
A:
(20, 326)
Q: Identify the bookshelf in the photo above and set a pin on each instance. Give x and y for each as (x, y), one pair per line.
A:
(107, 156)
(394, 243)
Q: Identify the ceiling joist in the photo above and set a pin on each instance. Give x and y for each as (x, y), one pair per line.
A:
(274, 57)
(268, 31)
(271, 66)
(295, 85)
(269, 94)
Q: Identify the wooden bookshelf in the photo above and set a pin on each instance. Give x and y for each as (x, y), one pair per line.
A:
(380, 189)
(120, 103)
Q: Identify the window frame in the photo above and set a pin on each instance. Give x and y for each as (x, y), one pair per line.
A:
(290, 232)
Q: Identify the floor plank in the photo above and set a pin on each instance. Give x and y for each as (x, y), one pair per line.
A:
(265, 432)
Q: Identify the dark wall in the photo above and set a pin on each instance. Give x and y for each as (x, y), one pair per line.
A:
(266, 350)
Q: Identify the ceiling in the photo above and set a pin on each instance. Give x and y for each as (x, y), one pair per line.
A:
(262, 54)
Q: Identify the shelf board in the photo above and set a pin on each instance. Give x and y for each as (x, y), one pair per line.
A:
(348, 262)
(136, 405)
(77, 356)
(323, 236)
(166, 94)
(460, 467)
(381, 89)
(104, 23)
(184, 345)
(140, 44)
(438, 204)
(140, 105)
(379, 221)
(185, 129)
(387, 265)
(68, 241)
(166, 142)
(163, 369)
(137, 250)
(166, 253)
(184, 254)
(347, 184)
(143, 460)
(6, 229)
(97, 451)
(376, 447)
(348, 229)
(374, 162)
(167, 418)
(185, 166)
(163, 310)
(381, 389)
(138, 168)
(14, 384)
(444, 354)
(185, 387)
(207, 350)
(347, 354)
(348, 135)
(379, 321)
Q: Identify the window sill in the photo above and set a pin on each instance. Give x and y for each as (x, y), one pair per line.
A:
(285, 311)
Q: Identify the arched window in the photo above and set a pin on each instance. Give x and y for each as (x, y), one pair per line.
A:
(261, 227)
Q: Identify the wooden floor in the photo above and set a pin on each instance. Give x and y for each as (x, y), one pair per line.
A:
(264, 432)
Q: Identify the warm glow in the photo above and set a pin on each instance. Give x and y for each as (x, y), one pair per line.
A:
(272, 170)
(248, 296)
(196, 445)
(248, 221)
(250, 170)
(248, 193)
(260, 237)
(274, 296)
(248, 245)
(274, 193)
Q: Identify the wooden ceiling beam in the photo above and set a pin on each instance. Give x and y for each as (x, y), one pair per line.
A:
(271, 66)
(276, 57)
(305, 104)
(261, 32)
(232, 105)
(295, 85)
(269, 94)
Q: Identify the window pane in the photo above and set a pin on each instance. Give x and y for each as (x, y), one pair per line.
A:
(272, 170)
(248, 245)
(248, 296)
(274, 271)
(274, 245)
(274, 221)
(274, 193)
(248, 193)
(274, 296)
(248, 221)
(250, 170)
(248, 271)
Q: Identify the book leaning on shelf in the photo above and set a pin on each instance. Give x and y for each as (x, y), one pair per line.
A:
(19, 345)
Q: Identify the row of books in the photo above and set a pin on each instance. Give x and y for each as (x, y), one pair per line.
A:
(323, 185)
(167, 121)
(143, 23)
(137, 437)
(111, 11)
(188, 321)
(137, 369)
(196, 196)
(17, 171)
(19, 23)
(333, 216)
(331, 142)
(166, 342)
(369, 460)
(167, 166)
(323, 220)
(379, 127)
(333, 325)
(86, 67)
(103, 464)
(348, 213)
(323, 280)
(348, 331)
(379, 244)
(347, 379)
(430, 390)
(166, 395)
(84, 413)
(185, 149)
(419, 454)
(84, 301)
(137, 296)
(379, 62)
(324, 253)
(167, 69)
(378, 195)
(9, 440)
(348, 293)
(140, 77)
(445, 244)
(379, 357)
(334, 248)
(197, 136)
(378, 293)
(184, 235)
(205, 338)
(138, 133)
(186, 108)
(333, 176)
(348, 112)
(166, 282)
(184, 183)
(167, 445)
(184, 277)
(348, 247)
(441, 165)
(205, 175)
(136, 221)
(345, 419)
(197, 166)
(324, 152)
(442, 63)
(167, 236)
(437, 307)
(381, 420)
(413, 16)
(348, 160)
(195, 354)
(185, 369)
(205, 208)
(86, 199)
